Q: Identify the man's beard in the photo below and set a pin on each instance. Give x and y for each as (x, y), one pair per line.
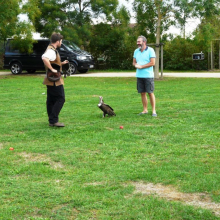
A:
(140, 46)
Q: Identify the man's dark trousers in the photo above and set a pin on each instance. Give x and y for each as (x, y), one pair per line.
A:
(55, 101)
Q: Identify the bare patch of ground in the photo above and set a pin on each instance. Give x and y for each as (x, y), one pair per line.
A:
(94, 184)
(41, 158)
(1, 146)
(201, 200)
(110, 129)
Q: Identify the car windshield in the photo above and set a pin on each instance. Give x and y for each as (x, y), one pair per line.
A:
(70, 45)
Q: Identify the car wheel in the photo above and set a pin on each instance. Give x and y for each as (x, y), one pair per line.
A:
(72, 68)
(16, 68)
(31, 71)
(83, 71)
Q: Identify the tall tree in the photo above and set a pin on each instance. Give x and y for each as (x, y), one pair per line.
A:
(113, 40)
(8, 17)
(73, 18)
(11, 26)
(184, 10)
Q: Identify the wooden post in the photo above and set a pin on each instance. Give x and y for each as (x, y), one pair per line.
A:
(218, 54)
(211, 57)
(161, 64)
(158, 46)
(208, 61)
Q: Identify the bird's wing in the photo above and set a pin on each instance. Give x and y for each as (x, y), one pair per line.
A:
(109, 107)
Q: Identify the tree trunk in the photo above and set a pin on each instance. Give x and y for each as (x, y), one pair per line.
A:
(157, 49)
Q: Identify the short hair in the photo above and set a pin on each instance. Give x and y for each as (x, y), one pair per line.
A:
(56, 37)
(143, 38)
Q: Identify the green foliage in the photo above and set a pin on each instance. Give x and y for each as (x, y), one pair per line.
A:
(105, 7)
(114, 42)
(32, 9)
(23, 37)
(184, 11)
(8, 17)
(207, 31)
(206, 8)
(178, 55)
(72, 18)
(23, 45)
(86, 169)
(145, 15)
(11, 27)
(50, 18)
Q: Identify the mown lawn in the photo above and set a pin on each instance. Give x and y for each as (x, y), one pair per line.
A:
(87, 169)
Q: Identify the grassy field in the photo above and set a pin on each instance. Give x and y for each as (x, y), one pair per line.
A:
(91, 169)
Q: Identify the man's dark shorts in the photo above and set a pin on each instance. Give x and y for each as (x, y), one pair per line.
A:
(145, 85)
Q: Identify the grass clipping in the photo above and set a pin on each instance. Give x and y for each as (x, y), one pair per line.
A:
(201, 200)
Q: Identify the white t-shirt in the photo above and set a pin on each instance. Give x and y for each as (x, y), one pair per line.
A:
(50, 54)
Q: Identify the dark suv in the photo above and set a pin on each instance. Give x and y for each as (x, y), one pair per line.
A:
(16, 61)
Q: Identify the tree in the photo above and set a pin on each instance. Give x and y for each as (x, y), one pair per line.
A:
(10, 26)
(113, 40)
(72, 18)
(209, 13)
(183, 12)
(8, 17)
(208, 30)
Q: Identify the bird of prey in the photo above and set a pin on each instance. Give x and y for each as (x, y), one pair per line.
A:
(105, 108)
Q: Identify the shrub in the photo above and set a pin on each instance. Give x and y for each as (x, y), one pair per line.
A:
(178, 55)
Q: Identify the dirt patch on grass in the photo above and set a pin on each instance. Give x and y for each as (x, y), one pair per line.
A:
(42, 159)
(1, 146)
(201, 200)
(110, 129)
(94, 184)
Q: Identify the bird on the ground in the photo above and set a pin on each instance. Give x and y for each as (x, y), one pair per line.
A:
(105, 108)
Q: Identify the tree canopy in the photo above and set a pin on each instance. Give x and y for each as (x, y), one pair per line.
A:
(73, 18)
(11, 26)
(8, 17)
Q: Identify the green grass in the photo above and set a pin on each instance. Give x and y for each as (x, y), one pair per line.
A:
(165, 71)
(85, 170)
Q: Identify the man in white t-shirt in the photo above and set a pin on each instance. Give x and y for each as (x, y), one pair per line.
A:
(55, 90)
(144, 60)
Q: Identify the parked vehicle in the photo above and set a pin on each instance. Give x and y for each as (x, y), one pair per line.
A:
(17, 62)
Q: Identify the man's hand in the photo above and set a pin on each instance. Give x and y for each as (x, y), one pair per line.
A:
(138, 66)
(65, 62)
(54, 71)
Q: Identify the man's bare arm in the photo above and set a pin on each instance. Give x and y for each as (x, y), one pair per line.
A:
(134, 62)
(151, 63)
(48, 64)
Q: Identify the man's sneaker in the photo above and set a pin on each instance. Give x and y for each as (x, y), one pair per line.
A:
(143, 113)
(58, 124)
